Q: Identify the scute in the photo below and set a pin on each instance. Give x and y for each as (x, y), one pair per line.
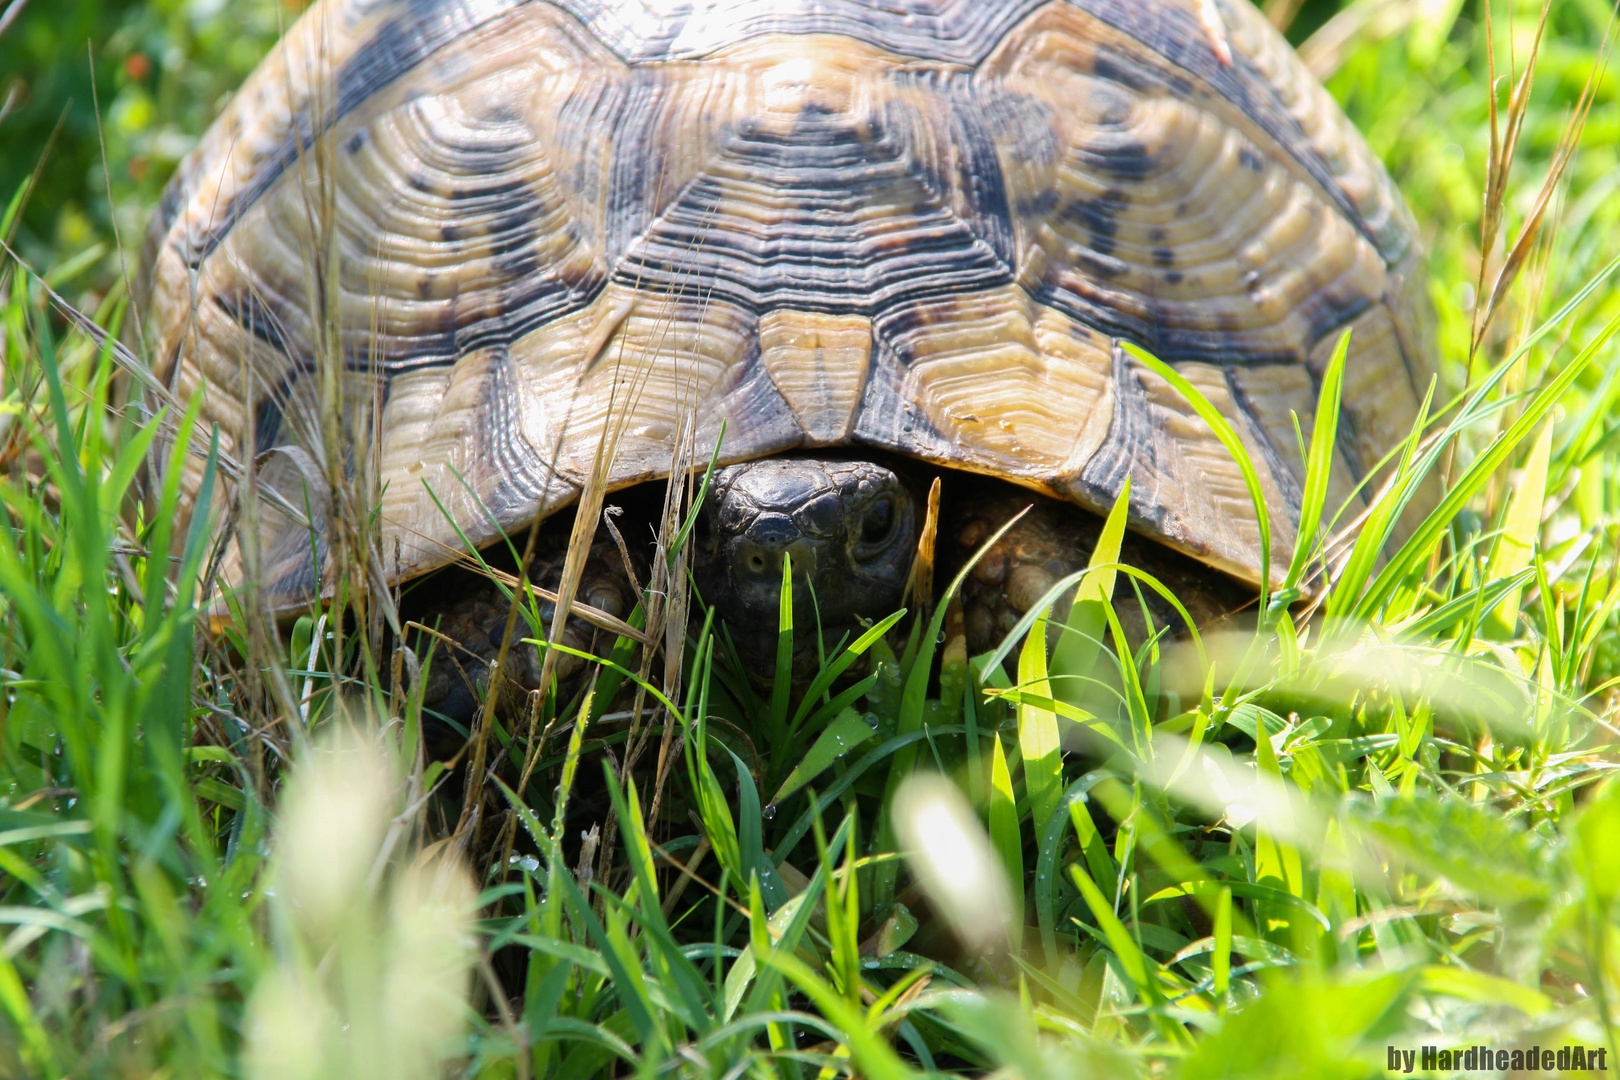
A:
(948, 31)
(925, 227)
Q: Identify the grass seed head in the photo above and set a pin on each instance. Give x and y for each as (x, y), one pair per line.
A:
(372, 958)
(954, 862)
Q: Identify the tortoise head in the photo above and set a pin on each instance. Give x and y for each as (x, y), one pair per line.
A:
(849, 527)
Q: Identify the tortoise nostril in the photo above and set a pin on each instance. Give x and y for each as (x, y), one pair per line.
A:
(759, 550)
(773, 531)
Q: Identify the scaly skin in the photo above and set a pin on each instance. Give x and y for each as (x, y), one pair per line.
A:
(851, 528)
(470, 611)
(1053, 540)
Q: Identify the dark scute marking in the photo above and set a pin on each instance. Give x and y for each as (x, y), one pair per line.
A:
(889, 417)
(1094, 309)
(1250, 160)
(249, 311)
(633, 179)
(1178, 38)
(1081, 299)
(1125, 159)
(1173, 277)
(507, 211)
(397, 48)
(279, 415)
(1163, 256)
(276, 417)
(1157, 235)
(266, 424)
(504, 113)
(970, 124)
(848, 225)
(514, 232)
(171, 377)
(1328, 311)
(527, 304)
(895, 327)
(1106, 65)
(506, 193)
(495, 215)
(516, 256)
(522, 474)
(1287, 484)
(1130, 445)
(275, 412)
(1100, 265)
(1020, 122)
(1038, 206)
(169, 205)
(1097, 217)
(356, 141)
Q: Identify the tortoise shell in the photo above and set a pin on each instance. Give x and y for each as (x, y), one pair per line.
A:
(527, 229)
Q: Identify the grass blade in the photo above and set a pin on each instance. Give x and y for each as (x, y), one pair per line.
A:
(783, 684)
(1318, 467)
(1037, 731)
(1234, 445)
(1005, 836)
(1516, 543)
(1074, 657)
(847, 731)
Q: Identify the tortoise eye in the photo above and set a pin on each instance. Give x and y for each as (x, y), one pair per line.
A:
(878, 524)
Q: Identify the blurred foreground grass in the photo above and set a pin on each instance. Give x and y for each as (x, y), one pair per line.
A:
(1386, 820)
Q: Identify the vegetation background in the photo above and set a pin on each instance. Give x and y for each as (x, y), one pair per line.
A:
(1407, 835)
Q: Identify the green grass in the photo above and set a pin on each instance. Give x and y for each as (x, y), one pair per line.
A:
(1385, 818)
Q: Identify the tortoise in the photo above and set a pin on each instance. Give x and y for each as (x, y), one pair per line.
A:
(874, 241)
